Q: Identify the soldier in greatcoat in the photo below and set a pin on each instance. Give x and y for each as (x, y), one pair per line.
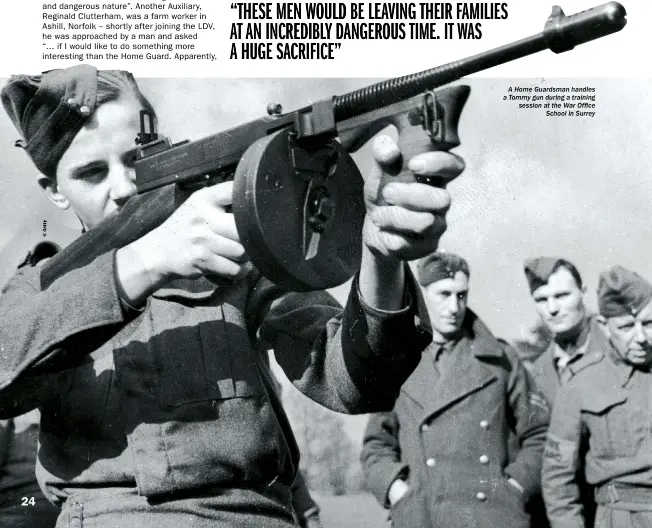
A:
(462, 446)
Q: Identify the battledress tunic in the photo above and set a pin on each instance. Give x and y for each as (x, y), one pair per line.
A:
(166, 416)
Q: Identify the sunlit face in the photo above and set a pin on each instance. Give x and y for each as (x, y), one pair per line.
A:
(446, 300)
(631, 335)
(560, 303)
(96, 174)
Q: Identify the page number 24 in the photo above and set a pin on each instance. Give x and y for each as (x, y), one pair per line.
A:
(27, 501)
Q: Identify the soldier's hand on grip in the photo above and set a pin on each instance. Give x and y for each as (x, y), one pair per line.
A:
(406, 220)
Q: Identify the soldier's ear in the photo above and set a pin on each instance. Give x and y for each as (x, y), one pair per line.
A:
(602, 322)
(51, 191)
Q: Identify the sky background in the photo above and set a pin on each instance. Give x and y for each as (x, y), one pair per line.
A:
(576, 187)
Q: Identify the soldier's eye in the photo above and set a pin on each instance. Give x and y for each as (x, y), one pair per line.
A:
(92, 175)
(93, 172)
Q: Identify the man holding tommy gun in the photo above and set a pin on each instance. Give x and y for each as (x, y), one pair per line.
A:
(140, 343)
(294, 168)
(157, 409)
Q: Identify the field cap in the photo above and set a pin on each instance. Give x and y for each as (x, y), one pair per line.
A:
(440, 265)
(48, 110)
(622, 292)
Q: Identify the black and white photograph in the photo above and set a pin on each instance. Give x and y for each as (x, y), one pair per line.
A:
(408, 301)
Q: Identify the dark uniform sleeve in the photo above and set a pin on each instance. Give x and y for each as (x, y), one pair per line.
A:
(381, 455)
(43, 332)
(352, 361)
(561, 462)
(529, 414)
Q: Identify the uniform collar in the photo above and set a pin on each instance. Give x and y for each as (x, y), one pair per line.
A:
(623, 371)
(562, 357)
(474, 336)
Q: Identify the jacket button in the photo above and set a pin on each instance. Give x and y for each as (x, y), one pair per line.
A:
(480, 496)
(424, 428)
(484, 424)
(430, 462)
(85, 111)
(484, 459)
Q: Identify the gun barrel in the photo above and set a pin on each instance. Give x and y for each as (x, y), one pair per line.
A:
(561, 33)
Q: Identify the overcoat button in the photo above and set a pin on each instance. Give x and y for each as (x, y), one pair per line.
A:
(484, 459)
(480, 496)
(430, 462)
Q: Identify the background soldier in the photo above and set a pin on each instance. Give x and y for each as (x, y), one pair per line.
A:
(607, 407)
(560, 300)
(442, 457)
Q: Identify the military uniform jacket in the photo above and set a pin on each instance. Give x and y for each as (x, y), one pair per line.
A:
(608, 407)
(174, 399)
(451, 436)
(544, 370)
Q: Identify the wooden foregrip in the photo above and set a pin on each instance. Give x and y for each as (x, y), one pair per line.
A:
(425, 123)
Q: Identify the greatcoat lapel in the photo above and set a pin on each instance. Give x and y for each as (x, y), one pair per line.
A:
(465, 374)
(421, 383)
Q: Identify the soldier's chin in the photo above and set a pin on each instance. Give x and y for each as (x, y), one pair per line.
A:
(639, 357)
(448, 329)
(560, 327)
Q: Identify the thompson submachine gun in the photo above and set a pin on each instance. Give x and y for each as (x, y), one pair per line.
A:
(298, 195)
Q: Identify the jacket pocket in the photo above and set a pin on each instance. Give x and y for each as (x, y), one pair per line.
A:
(614, 430)
(204, 358)
(84, 391)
